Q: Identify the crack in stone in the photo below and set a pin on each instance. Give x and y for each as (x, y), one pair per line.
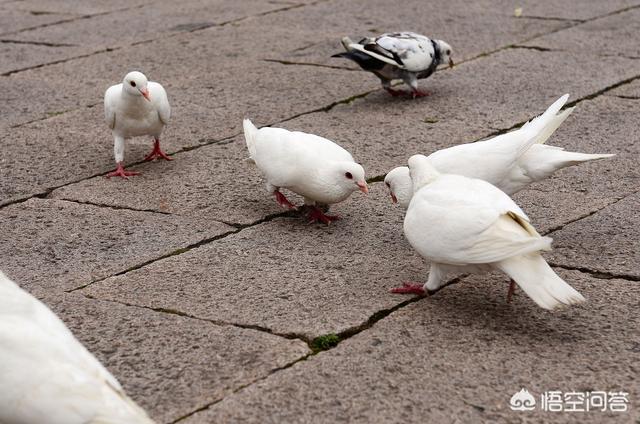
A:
(114, 207)
(187, 248)
(37, 43)
(602, 275)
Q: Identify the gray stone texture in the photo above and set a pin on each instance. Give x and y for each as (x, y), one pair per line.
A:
(59, 245)
(459, 356)
(171, 364)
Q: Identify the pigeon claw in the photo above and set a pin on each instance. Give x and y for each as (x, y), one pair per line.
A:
(120, 172)
(157, 152)
(283, 201)
(316, 215)
(410, 288)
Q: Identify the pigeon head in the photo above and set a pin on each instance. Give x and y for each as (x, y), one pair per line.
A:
(398, 181)
(349, 177)
(421, 171)
(446, 52)
(135, 83)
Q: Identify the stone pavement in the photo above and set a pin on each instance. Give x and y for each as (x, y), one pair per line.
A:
(211, 305)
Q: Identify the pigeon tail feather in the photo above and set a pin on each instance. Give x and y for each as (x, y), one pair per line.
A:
(250, 132)
(552, 126)
(346, 42)
(534, 275)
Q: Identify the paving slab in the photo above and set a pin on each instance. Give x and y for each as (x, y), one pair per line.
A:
(25, 55)
(472, 29)
(610, 36)
(572, 9)
(13, 20)
(602, 125)
(85, 7)
(459, 356)
(148, 22)
(285, 275)
(75, 145)
(171, 365)
(55, 245)
(606, 241)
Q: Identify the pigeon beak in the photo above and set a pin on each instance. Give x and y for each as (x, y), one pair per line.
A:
(363, 187)
(145, 93)
(394, 199)
(450, 63)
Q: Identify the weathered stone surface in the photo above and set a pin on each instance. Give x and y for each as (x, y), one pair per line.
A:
(78, 144)
(631, 90)
(136, 24)
(459, 356)
(573, 9)
(613, 35)
(285, 275)
(17, 56)
(172, 365)
(58, 245)
(13, 20)
(602, 125)
(470, 28)
(606, 241)
(85, 7)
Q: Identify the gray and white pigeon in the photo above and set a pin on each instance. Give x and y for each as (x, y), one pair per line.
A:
(134, 108)
(509, 161)
(47, 376)
(466, 225)
(405, 56)
(311, 166)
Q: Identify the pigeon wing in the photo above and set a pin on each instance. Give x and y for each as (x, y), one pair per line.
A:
(160, 101)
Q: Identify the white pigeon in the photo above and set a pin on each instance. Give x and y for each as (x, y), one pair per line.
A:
(134, 108)
(311, 166)
(47, 376)
(462, 224)
(405, 56)
(509, 161)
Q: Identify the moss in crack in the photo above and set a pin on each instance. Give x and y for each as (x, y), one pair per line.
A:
(325, 342)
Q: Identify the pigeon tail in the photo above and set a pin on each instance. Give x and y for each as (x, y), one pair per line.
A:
(250, 132)
(536, 278)
(552, 126)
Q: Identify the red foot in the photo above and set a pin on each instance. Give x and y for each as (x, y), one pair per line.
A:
(283, 201)
(410, 288)
(120, 172)
(512, 289)
(316, 215)
(418, 93)
(157, 152)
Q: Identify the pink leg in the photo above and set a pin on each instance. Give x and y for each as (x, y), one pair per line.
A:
(316, 215)
(120, 172)
(283, 201)
(512, 289)
(410, 288)
(157, 152)
(419, 93)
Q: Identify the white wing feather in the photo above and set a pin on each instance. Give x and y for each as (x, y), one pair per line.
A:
(47, 375)
(160, 101)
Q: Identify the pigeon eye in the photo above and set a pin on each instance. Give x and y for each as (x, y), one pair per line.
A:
(388, 185)
(448, 51)
(348, 175)
(133, 84)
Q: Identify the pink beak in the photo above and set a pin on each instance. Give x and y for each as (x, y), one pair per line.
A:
(145, 93)
(363, 187)
(394, 199)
